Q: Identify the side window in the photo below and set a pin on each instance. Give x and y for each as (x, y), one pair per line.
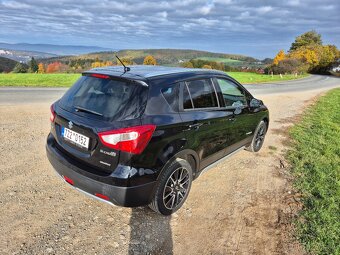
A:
(201, 94)
(232, 93)
(170, 94)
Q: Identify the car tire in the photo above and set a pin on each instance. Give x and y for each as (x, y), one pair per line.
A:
(258, 138)
(173, 187)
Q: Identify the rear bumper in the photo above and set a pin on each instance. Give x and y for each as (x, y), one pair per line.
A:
(122, 196)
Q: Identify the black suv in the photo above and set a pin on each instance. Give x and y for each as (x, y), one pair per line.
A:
(140, 136)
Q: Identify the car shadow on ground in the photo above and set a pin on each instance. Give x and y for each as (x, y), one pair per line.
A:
(150, 232)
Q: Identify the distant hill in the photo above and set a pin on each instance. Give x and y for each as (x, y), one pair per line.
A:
(23, 56)
(170, 57)
(53, 49)
(7, 65)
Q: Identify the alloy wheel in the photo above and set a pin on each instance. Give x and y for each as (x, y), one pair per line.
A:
(260, 136)
(176, 188)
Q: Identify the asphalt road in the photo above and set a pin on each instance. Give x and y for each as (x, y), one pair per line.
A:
(21, 95)
(313, 82)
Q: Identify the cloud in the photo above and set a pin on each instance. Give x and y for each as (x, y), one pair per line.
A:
(163, 14)
(244, 15)
(216, 25)
(206, 9)
(14, 5)
(294, 2)
(264, 9)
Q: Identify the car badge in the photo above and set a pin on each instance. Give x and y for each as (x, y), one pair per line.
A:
(70, 124)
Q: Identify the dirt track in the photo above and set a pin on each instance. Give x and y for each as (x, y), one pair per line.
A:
(242, 206)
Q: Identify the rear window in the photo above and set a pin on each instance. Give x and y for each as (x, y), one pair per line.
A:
(108, 98)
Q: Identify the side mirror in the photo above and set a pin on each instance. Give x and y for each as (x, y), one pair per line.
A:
(255, 103)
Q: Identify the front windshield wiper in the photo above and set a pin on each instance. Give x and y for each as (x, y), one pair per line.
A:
(81, 109)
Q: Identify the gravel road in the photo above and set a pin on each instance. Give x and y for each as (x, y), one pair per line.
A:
(242, 206)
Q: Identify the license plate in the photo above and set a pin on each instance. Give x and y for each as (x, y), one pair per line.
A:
(75, 138)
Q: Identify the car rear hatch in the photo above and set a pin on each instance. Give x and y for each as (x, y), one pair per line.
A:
(97, 104)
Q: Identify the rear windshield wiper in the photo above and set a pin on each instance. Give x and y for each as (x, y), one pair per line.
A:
(81, 109)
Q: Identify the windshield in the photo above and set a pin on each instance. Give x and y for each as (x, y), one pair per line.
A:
(110, 99)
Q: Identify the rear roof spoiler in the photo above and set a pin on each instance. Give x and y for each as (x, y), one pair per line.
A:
(108, 76)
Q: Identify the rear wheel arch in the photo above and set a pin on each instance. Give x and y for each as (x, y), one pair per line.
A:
(266, 120)
(188, 155)
(177, 192)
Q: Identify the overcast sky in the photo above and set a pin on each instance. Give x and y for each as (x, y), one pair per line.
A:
(254, 28)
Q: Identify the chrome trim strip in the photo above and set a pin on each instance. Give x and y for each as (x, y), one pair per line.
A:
(220, 160)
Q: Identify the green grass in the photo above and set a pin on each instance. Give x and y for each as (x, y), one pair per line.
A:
(245, 78)
(315, 159)
(66, 79)
(38, 80)
(228, 61)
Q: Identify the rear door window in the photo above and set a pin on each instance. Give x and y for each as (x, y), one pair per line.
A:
(108, 98)
(199, 94)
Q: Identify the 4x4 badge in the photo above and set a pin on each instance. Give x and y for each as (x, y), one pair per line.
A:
(70, 124)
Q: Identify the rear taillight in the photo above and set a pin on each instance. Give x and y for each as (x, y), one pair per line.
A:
(52, 116)
(132, 139)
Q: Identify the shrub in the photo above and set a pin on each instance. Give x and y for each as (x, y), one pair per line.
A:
(20, 68)
(289, 65)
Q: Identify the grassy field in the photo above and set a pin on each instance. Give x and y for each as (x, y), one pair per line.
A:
(246, 78)
(228, 61)
(66, 80)
(315, 159)
(38, 80)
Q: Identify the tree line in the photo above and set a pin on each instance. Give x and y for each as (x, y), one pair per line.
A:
(306, 54)
(206, 64)
(72, 66)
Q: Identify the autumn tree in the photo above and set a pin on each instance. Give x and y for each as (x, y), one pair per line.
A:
(308, 56)
(328, 56)
(53, 67)
(307, 51)
(206, 67)
(310, 38)
(97, 64)
(216, 65)
(279, 57)
(187, 64)
(149, 60)
(33, 66)
(126, 61)
(41, 68)
(108, 63)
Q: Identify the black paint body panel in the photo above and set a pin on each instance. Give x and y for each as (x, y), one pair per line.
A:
(200, 136)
